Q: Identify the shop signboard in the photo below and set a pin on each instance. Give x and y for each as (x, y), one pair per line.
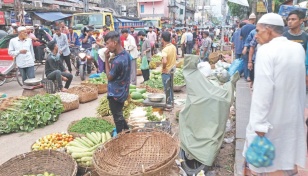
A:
(8, 1)
(2, 18)
(27, 18)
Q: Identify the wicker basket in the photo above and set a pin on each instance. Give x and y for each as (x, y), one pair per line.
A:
(146, 152)
(38, 162)
(68, 106)
(164, 126)
(101, 88)
(139, 72)
(87, 171)
(85, 93)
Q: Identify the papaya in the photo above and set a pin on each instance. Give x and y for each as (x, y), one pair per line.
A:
(136, 95)
(132, 90)
(131, 86)
(141, 90)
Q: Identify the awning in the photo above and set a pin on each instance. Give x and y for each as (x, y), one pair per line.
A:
(52, 16)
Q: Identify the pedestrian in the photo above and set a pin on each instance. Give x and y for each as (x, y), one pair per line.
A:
(13, 29)
(131, 47)
(189, 42)
(278, 99)
(152, 37)
(237, 43)
(206, 46)
(39, 46)
(145, 52)
(295, 33)
(244, 34)
(63, 28)
(63, 47)
(21, 48)
(168, 68)
(252, 59)
(134, 34)
(183, 42)
(73, 38)
(118, 78)
(54, 68)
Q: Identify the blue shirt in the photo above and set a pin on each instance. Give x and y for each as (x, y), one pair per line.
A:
(249, 38)
(75, 37)
(89, 43)
(238, 43)
(246, 30)
(118, 87)
(254, 44)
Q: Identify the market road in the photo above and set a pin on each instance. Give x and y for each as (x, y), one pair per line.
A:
(17, 143)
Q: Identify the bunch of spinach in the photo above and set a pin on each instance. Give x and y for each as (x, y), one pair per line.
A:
(31, 113)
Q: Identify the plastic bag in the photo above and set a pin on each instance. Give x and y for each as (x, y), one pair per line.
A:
(237, 65)
(261, 152)
(94, 54)
(144, 63)
(95, 75)
(205, 68)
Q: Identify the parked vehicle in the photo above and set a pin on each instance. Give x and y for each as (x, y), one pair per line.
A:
(85, 63)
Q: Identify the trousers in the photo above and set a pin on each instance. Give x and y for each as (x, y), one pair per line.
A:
(117, 113)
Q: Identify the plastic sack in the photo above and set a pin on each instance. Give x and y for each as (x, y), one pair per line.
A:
(237, 65)
(261, 152)
(96, 75)
(222, 74)
(205, 68)
(101, 53)
(144, 63)
(94, 54)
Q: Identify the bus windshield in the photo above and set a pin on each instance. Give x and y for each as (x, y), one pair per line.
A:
(151, 23)
(88, 20)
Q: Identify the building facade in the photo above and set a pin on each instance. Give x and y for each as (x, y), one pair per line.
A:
(153, 8)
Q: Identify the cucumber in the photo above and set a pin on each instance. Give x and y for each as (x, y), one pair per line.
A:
(76, 144)
(91, 138)
(82, 154)
(141, 91)
(104, 138)
(86, 158)
(88, 141)
(72, 149)
(132, 90)
(95, 137)
(99, 137)
(108, 136)
(132, 86)
(83, 142)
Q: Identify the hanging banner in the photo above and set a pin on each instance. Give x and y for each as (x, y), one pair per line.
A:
(8, 1)
(261, 6)
(2, 18)
(240, 2)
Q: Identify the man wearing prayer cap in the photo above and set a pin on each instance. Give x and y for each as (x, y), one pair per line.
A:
(245, 50)
(278, 99)
(21, 48)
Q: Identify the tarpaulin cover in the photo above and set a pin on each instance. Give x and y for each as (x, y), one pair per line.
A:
(52, 16)
(204, 117)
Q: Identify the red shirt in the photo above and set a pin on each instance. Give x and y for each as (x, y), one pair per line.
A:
(122, 38)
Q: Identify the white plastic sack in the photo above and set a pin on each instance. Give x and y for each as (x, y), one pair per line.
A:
(101, 53)
(205, 68)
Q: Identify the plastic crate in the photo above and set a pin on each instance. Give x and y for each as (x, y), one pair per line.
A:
(50, 86)
(164, 126)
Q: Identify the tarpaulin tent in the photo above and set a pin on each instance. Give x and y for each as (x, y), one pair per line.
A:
(203, 120)
(52, 16)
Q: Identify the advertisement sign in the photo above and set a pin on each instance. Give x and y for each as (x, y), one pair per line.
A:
(27, 18)
(2, 18)
(8, 1)
(261, 7)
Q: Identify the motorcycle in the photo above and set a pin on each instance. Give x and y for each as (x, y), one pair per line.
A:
(85, 63)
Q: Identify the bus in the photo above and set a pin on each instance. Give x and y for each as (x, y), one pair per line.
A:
(152, 22)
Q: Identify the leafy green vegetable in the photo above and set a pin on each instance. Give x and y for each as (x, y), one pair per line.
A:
(178, 79)
(91, 124)
(32, 113)
(150, 115)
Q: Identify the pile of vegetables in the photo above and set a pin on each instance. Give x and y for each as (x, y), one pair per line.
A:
(91, 124)
(138, 63)
(31, 113)
(82, 149)
(141, 115)
(104, 110)
(102, 79)
(152, 65)
(44, 174)
(52, 141)
(67, 97)
(155, 80)
(156, 58)
(138, 95)
(178, 79)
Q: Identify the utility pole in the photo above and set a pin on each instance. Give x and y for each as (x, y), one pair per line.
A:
(185, 13)
(202, 15)
(153, 9)
(85, 6)
(223, 12)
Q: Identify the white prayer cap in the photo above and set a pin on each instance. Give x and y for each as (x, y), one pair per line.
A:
(21, 28)
(13, 24)
(28, 27)
(252, 16)
(272, 19)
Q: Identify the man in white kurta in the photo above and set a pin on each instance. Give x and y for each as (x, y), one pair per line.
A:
(278, 100)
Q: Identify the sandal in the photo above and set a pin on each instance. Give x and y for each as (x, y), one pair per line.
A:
(168, 109)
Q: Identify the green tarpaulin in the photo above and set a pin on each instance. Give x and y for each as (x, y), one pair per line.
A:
(203, 120)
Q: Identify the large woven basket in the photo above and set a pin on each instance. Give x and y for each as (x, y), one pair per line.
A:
(146, 152)
(85, 93)
(68, 106)
(101, 88)
(38, 162)
(87, 171)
